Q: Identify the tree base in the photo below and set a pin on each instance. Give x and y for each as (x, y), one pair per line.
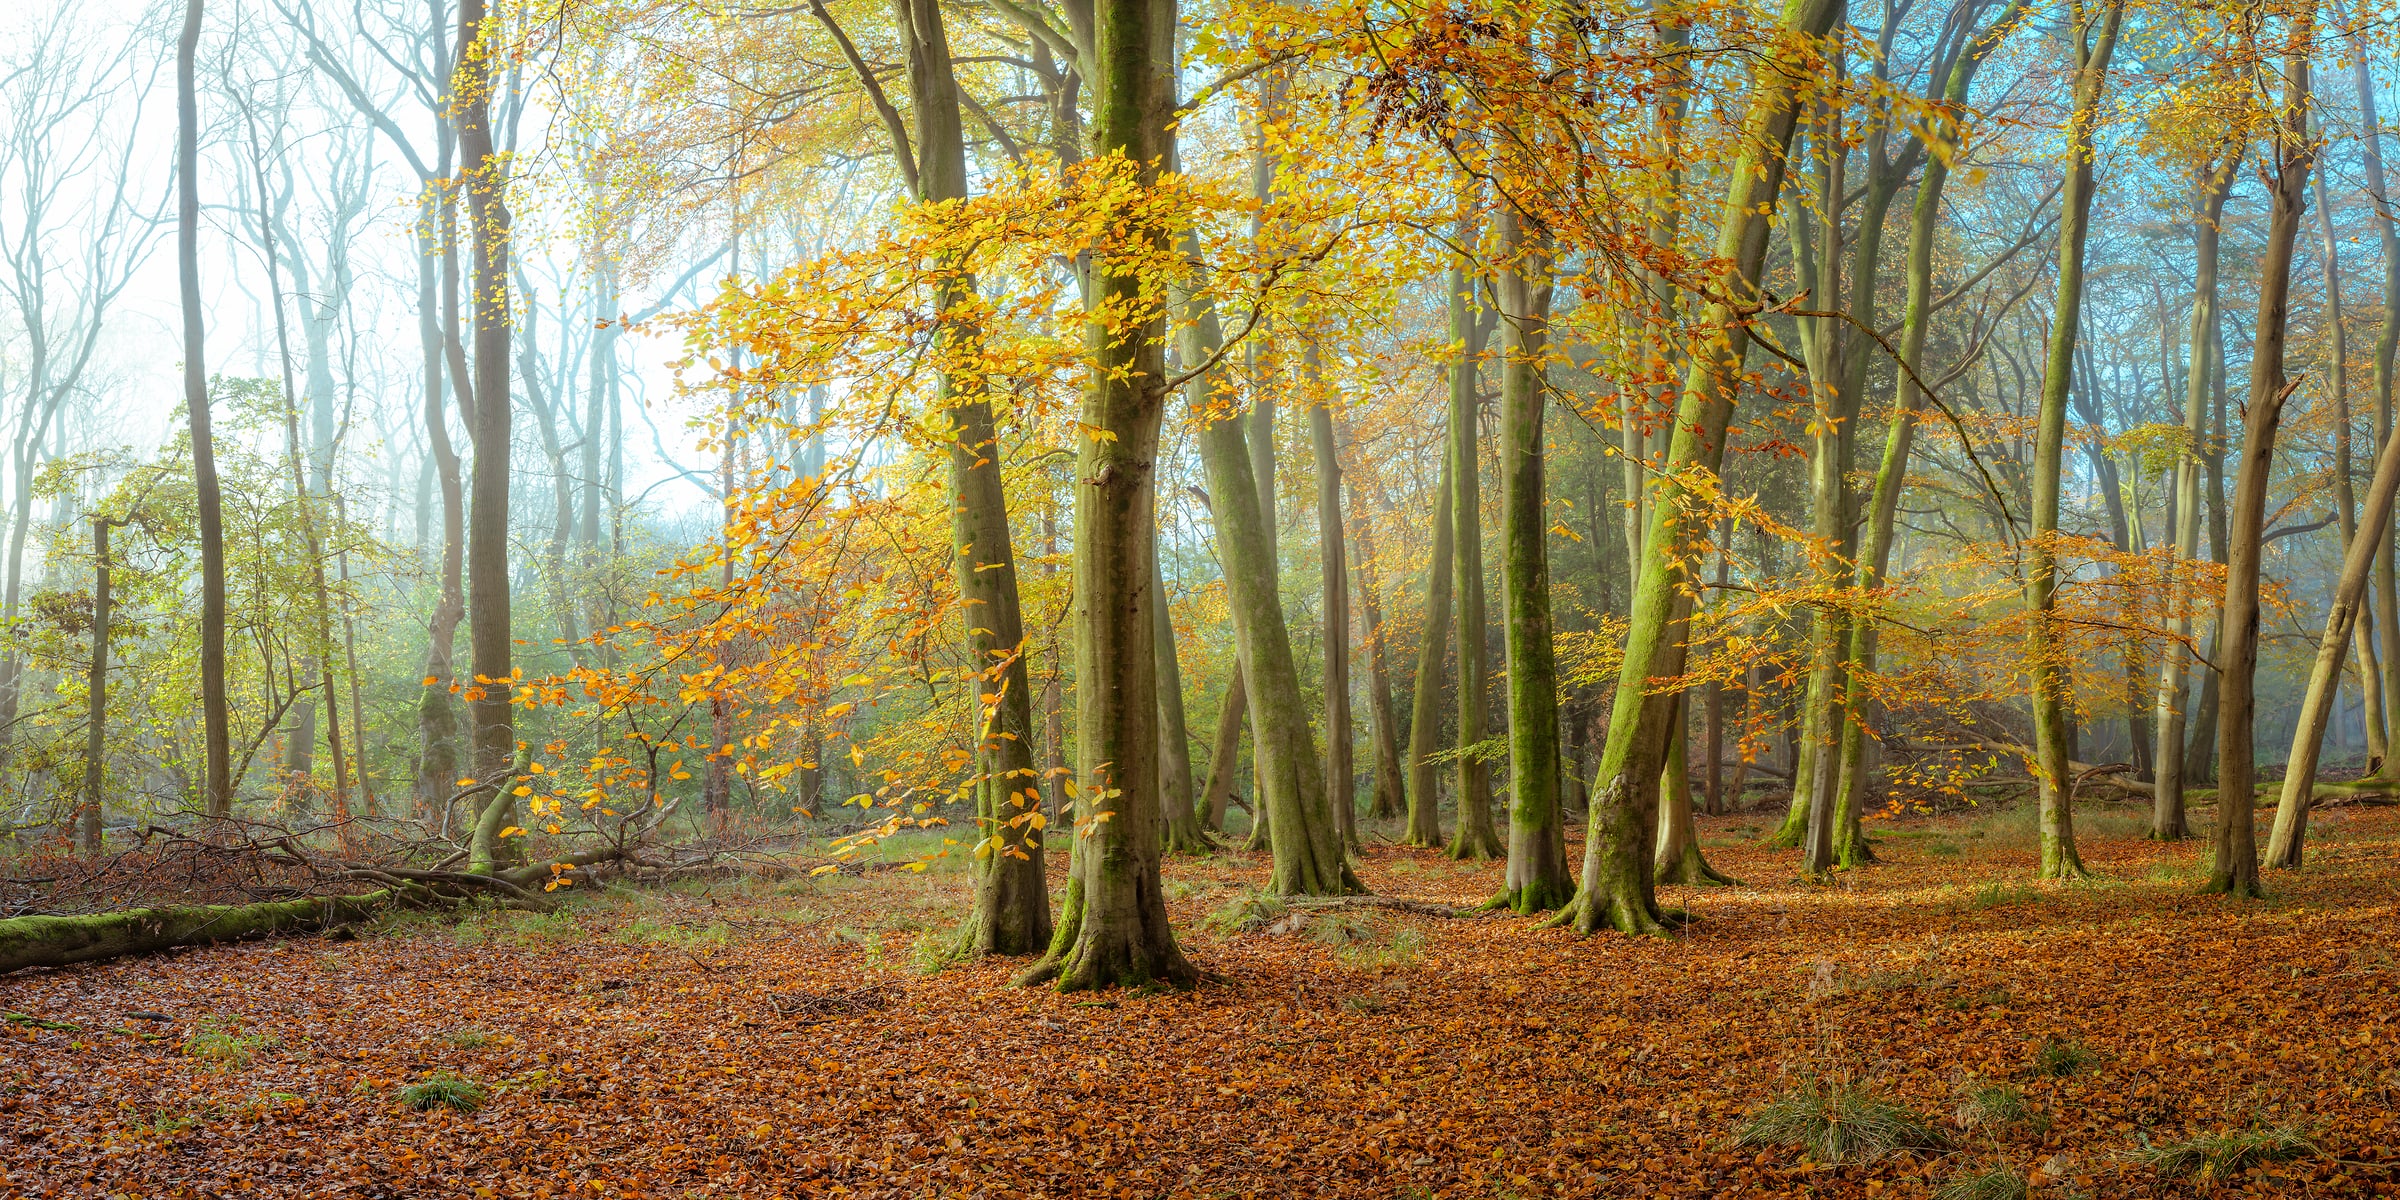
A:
(1619, 910)
(1692, 869)
(2234, 889)
(1187, 837)
(1530, 899)
(1474, 843)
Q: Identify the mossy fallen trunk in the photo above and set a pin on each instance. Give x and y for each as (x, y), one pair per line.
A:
(64, 941)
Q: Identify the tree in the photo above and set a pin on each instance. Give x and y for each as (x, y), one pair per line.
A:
(1618, 888)
(2214, 182)
(1113, 927)
(2092, 40)
(1424, 732)
(1537, 879)
(2235, 871)
(1476, 836)
(491, 699)
(215, 716)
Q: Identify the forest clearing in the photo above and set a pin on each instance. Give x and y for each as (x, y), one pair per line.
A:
(747, 1037)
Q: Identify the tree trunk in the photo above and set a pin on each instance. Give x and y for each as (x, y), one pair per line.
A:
(1678, 858)
(2337, 381)
(1181, 812)
(1824, 715)
(1113, 929)
(1382, 720)
(2094, 40)
(1424, 720)
(1537, 878)
(1476, 835)
(1291, 800)
(64, 941)
(2236, 868)
(1341, 783)
(2200, 756)
(216, 721)
(1618, 889)
(95, 734)
(1011, 913)
(2214, 183)
(2386, 587)
(1225, 753)
(490, 696)
(437, 711)
(2287, 843)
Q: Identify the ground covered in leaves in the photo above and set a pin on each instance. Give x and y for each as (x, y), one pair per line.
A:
(1933, 1025)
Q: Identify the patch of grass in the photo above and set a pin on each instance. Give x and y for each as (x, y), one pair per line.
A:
(2215, 1156)
(2061, 1057)
(224, 1049)
(442, 1089)
(1246, 913)
(1403, 948)
(2001, 895)
(932, 952)
(1406, 866)
(532, 928)
(1844, 1123)
(1990, 1106)
(1181, 889)
(1995, 994)
(683, 935)
(1339, 930)
(1944, 849)
(466, 1037)
(1999, 1183)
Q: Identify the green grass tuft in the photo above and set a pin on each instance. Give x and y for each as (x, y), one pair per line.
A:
(1990, 1106)
(2216, 1156)
(1999, 1183)
(467, 1038)
(2061, 1057)
(1246, 913)
(226, 1051)
(443, 1089)
(1842, 1124)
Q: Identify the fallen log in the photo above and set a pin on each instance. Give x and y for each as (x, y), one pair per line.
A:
(64, 941)
(58, 941)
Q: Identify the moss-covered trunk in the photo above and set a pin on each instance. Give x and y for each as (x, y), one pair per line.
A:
(1382, 720)
(1891, 472)
(2093, 39)
(1341, 753)
(1309, 859)
(1537, 879)
(65, 941)
(1425, 712)
(1113, 929)
(1224, 753)
(1476, 835)
(1617, 889)
(1179, 807)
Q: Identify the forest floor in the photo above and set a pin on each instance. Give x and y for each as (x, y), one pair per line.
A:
(745, 1038)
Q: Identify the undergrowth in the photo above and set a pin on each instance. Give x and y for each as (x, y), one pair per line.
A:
(1844, 1123)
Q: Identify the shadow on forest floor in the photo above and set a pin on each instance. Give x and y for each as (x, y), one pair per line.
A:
(2121, 1037)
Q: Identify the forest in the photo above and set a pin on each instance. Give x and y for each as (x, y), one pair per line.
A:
(1451, 599)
